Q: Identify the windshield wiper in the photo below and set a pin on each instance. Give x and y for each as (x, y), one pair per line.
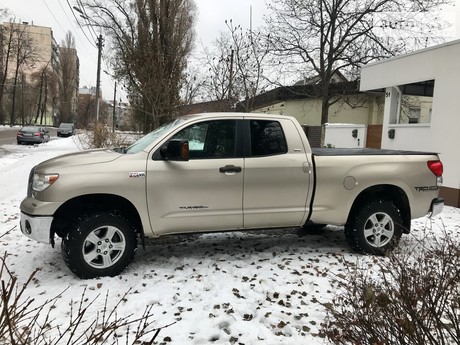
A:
(121, 150)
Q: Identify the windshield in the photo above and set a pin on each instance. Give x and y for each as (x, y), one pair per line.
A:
(66, 125)
(30, 129)
(150, 138)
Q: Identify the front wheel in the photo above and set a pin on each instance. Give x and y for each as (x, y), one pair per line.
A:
(101, 244)
(376, 228)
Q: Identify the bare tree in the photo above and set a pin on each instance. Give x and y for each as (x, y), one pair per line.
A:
(249, 54)
(8, 38)
(5, 49)
(192, 86)
(236, 67)
(218, 68)
(322, 38)
(21, 53)
(68, 79)
(150, 42)
(44, 82)
(86, 107)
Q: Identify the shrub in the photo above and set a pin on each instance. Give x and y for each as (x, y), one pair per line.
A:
(411, 298)
(23, 322)
(100, 136)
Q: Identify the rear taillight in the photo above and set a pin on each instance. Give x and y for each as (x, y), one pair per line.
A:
(435, 167)
(37, 134)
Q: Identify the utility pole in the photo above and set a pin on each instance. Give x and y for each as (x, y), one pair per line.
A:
(114, 104)
(98, 78)
(230, 82)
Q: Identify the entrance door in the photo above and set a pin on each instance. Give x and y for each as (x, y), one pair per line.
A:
(374, 136)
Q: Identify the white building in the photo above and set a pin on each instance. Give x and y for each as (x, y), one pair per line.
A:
(430, 78)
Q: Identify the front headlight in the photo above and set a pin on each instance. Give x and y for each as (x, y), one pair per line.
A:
(42, 181)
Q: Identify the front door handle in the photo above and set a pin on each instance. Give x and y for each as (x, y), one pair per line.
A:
(230, 169)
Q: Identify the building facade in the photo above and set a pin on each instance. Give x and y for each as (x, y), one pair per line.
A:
(29, 69)
(430, 79)
(33, 82)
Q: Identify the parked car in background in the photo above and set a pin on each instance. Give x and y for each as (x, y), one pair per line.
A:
(33, 135)
(66, 130)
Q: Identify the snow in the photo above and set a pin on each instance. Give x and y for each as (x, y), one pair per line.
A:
(245, 287)
(7, 128)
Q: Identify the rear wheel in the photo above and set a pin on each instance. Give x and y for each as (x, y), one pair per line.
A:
(101, 244)
(376, 228)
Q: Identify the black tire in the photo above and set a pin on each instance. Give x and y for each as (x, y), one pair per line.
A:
(375, 228)
(101, 244)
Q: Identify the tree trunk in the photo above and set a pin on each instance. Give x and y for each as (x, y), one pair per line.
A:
(324, 110)
(39, 99)
(13, 106)
(44, 102)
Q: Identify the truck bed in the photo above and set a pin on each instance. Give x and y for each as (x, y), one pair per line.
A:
(365, 152)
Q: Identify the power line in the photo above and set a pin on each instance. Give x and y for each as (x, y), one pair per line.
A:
(57, 21)
(86, 17)
(69, 19)
(73, 13)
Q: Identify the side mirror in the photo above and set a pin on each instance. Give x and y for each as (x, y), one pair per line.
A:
(175, 150)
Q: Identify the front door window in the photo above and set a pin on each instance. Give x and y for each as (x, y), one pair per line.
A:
(210, 139)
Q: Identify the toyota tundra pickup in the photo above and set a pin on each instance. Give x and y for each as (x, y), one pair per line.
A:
(223, 171)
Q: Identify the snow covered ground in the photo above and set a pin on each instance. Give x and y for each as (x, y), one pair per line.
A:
(255, 287)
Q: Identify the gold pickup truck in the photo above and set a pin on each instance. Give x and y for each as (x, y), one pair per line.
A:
(223, 171)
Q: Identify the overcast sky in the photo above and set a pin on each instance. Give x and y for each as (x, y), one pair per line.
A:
(57, 15)
(211, 20)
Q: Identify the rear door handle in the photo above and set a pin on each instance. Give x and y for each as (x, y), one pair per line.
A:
(230, 169)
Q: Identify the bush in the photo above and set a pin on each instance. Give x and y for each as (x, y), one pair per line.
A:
(100, 136)
(410, 298)
(23, 322)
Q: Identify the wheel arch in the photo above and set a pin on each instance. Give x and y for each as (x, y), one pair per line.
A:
(69, 212)
(387, 192)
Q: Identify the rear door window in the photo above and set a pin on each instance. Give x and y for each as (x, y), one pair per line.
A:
(267, 138)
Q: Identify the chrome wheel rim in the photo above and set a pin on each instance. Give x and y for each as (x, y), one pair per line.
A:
(103, 247)
(379, 229)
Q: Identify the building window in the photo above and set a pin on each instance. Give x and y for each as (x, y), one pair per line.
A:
(415, 102)
(414, 114)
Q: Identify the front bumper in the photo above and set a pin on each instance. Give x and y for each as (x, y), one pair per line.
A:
(37, 228)
(64, 134)
(436, 207)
